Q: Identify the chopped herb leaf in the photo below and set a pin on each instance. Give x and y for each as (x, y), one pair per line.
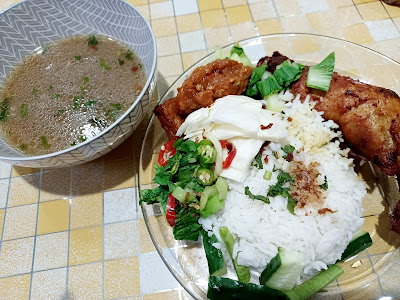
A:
(112, 114)
(44, 141)
(4, 109)
(255, 197)
(92, 41)
(23, 146)
(78, 57)
(325, 184)
(89, 103)
(56, 96)
(258, 162)
(129, 55)
(98, 122)
(50, 87)
(267, 175)
(121, 61)
(103, 64)
(59, 112)
(236, 49)
(85, 79)
(140, 66)
(23, 110)
(237, 83)
(83, 138)
(284, 177)
(44, 50)
(34, 91)
(75, 106)
(288, 149)
(279, 190)
(73, 144)
(291, 204)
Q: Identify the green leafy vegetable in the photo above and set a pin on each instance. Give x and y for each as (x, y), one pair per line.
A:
(291, 204)
(44, 141)
(325, 184)
(237, 53)
(270, 269)
(75, 104)
(4, 109)
(320, 76)
(268, 86)
(83, 138)
(92, 41)
(186, 225)
(237, 50)
(129, 55)
(242, 272)
(288, 149)
(256, 75)
(255, 197)
(279, 190)
(215, 259)
(23, 110)
(89, 103)
(103, 64)
(284, 177)
(77, 57)
(258, 162)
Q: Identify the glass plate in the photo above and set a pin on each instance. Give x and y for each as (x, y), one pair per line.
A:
(373, 273)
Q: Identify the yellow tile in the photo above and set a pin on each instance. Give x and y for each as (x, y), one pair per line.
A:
(119, 174)
(383, 238)
(170, 65)
(162, 233)
(16, 257)
(238, 14)
(164, 27)
(394, 11)
(167, 45)
(16, 287)
(347, 16)
(209, 4)
(288, 8)
(19, 171)
(162, 296)
(86, 245)
(53, 216)
(295, 23)
(243, 31)
(363, 1)
(85, 280)
(24, 190)
(373, 11)
(86, 210)
(1, 219)
(87, 179)
(188, 23)
(156, 1)
(269, 26)
(190, 58)
(275, 44)
(303, 45)
(217, 37)
(145, 11)
(137, 2)
(358, 34)
(56, 184)
(20, 222)
(213, 18)
(230, 3)
(335, 4)
(121, 277)
(321, 21)
(263, 10)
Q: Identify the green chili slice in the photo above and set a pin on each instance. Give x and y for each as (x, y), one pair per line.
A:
(205, 176)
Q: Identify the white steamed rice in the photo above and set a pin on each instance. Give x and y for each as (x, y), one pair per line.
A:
(260, 228)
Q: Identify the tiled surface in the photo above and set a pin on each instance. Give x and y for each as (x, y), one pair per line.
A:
(77, 233)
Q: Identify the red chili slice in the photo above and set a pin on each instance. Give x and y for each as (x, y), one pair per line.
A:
(168, 146)
(170, 214)
(231, 153)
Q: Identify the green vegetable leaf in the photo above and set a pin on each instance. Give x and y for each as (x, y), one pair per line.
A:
(270, 269)
(252, 91)
(258, 162)
(23, 110)
(75, 105)
(92, 41)
(325, 184)
(286, 75)
(255, 197)
(284, 177)
(129, 55)
(291, 204)
(103, 64)
(77, 57)
(320, 76)
(89, 103)
(257, 73)
(151, 196)
(4, 109)
(268, 86)
(288, 149)
(236, 49)
(186, 225)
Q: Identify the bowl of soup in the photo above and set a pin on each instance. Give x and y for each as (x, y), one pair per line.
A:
(76, 79)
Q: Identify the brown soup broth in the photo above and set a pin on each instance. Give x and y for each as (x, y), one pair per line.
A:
(68, 92)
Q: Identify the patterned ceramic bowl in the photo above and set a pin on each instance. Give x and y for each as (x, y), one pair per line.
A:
(31, 24)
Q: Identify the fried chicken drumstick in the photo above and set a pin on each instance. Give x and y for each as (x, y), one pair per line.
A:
(206, 84)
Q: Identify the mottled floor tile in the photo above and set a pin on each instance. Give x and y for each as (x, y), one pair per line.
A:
(16, 257)
(51, 284)
(121, 240)
(51, 251)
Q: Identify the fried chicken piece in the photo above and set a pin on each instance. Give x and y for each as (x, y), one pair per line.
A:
(206, 84)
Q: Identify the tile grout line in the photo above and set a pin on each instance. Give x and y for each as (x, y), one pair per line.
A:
(35, 236)
(69, 231)
(5, 208)
(138, 229)
(252, 18)
(102, 244)
(373, 270)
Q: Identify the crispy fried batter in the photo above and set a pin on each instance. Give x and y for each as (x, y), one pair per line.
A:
(206, 84)
(368, 116)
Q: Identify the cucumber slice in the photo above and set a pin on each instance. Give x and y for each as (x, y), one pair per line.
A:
(215, 259)
(282, 273)
(222, 188)
(179, 193)
(361, 240)
(275, 104)
(213, 205)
